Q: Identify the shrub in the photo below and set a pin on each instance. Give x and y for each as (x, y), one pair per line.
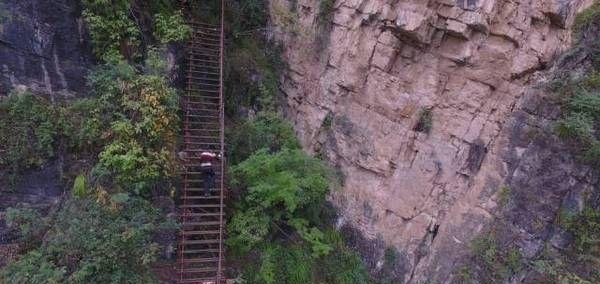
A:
(144, 127)
(498, 261)
(26, 220)
(577, 126)
(281, 190)
(588, 17)
(425, 121)
(267, 130)
(94, 243)
(326, 11)
(28, 132)
(110, 26)
(79, 186)
(504, 195)
(586, 229)
(170, 27)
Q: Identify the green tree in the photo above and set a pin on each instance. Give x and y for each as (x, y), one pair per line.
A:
(282, 189)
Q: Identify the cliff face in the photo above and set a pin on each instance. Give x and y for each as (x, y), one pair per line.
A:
(428, 109)
(42, 46)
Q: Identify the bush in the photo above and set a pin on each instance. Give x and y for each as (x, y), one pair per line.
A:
(586, 229)
(79, 186)
(577, 126)
(144, 127)
(28, 222)
(116, 27)
(267, 130)
(587, 18)
(170, 27)
(281, 190)
(94, 243)
(425, 122)
(499, 261)
(28, 132)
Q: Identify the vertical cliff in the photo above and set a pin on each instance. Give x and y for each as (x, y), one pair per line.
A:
(42, 46)
(429, 109)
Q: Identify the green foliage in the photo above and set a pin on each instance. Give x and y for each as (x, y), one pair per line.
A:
(267, 130)
(33, 268)
(582, 116)
(586, 229)
(327, 121)
(251, 75)
(576, 126)
(588, 17)
(504, 195)
(79, 186)
(326, 11)
(26, 220)
(293, 263)
(116, 27)
(170, 27)
(94, 243)
(143, 127)
(29, 132)
(280, 190)
(498, 261)
(247, 15)
(425, 122)
(110, 26)
(342, 265)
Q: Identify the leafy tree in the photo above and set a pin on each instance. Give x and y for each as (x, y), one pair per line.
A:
(143, 126)
(281, 190)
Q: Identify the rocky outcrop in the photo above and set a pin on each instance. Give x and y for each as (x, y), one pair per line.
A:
(469, 64)
(42, 46)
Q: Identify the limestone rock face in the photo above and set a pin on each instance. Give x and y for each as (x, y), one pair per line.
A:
(378, 69)
(43, 46)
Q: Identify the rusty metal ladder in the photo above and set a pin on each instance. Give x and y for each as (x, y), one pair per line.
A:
(200, 247)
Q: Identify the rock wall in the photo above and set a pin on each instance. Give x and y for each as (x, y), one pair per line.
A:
(364, 90)
(42, 46)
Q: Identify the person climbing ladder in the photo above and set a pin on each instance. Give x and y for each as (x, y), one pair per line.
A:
(208, 171)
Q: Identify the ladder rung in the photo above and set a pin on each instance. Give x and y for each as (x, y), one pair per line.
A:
(208, 232)
(204, 103)
(204, 97)
(201, 197)
(207, 61)
(204, 72)
(205, 79)
(199, 260)
(199, 270)
(200, 242)
(205, 138)
(204, 84)
(213, 223)
(202, 90)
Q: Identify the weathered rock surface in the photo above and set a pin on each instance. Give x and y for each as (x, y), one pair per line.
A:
(473, 64)
(42, 46)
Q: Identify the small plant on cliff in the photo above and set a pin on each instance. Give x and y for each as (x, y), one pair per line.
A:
(425, 122)
(326, 11)
(587, 18)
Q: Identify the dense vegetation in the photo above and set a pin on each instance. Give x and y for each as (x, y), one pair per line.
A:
(120, 141)
(498, 260)
(280, 228)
